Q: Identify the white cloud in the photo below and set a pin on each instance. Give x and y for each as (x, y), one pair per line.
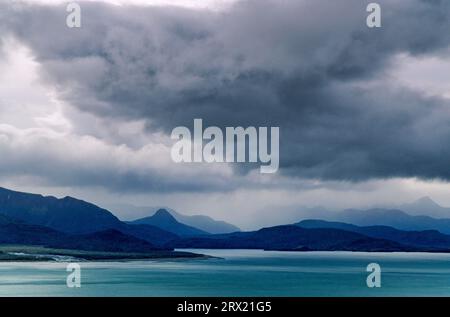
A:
(24, 103)
(429, 74)
(196, 4)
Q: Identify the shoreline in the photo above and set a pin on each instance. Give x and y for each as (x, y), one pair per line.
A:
(13, 253)
(34, 254)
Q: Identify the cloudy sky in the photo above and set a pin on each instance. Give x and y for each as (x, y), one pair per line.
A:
(364, 114)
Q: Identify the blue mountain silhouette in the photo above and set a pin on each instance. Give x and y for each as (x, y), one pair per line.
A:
(164, 220)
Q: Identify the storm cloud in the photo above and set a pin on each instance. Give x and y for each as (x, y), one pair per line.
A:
(313, 68)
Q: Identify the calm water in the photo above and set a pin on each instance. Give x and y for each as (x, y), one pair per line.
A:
(239, 273)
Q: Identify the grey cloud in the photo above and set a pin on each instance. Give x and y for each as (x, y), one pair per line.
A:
(300, 65)
(88, 162)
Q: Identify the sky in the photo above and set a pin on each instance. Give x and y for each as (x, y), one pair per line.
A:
(363, 113)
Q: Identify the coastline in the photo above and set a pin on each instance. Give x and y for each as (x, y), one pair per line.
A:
(24, 253)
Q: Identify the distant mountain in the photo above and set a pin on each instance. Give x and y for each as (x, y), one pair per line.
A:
(76, 224)
(164, 220)
(67, 214)
(201, 222)
(293, 238)
(428, 238)
(425, 206)
(205, 223)
(393, 218)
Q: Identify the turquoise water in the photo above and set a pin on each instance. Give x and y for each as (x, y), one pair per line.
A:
(239, 273)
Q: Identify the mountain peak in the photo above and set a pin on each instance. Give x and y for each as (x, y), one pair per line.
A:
(164, 220)
(426, 206)
(163, 214)
(426, 200)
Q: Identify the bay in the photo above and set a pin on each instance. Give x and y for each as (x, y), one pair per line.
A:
(238, 273)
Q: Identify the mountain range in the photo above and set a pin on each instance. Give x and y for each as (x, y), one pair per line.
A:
(46, 220)
(391, 217)
(201, 222)
(426, 238)
(294, 238)
(70, 223)
(425, 206)
(18, 232)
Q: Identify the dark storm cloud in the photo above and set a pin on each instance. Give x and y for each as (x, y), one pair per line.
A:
(305, 66)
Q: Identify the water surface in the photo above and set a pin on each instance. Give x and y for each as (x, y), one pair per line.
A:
(238, 273)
